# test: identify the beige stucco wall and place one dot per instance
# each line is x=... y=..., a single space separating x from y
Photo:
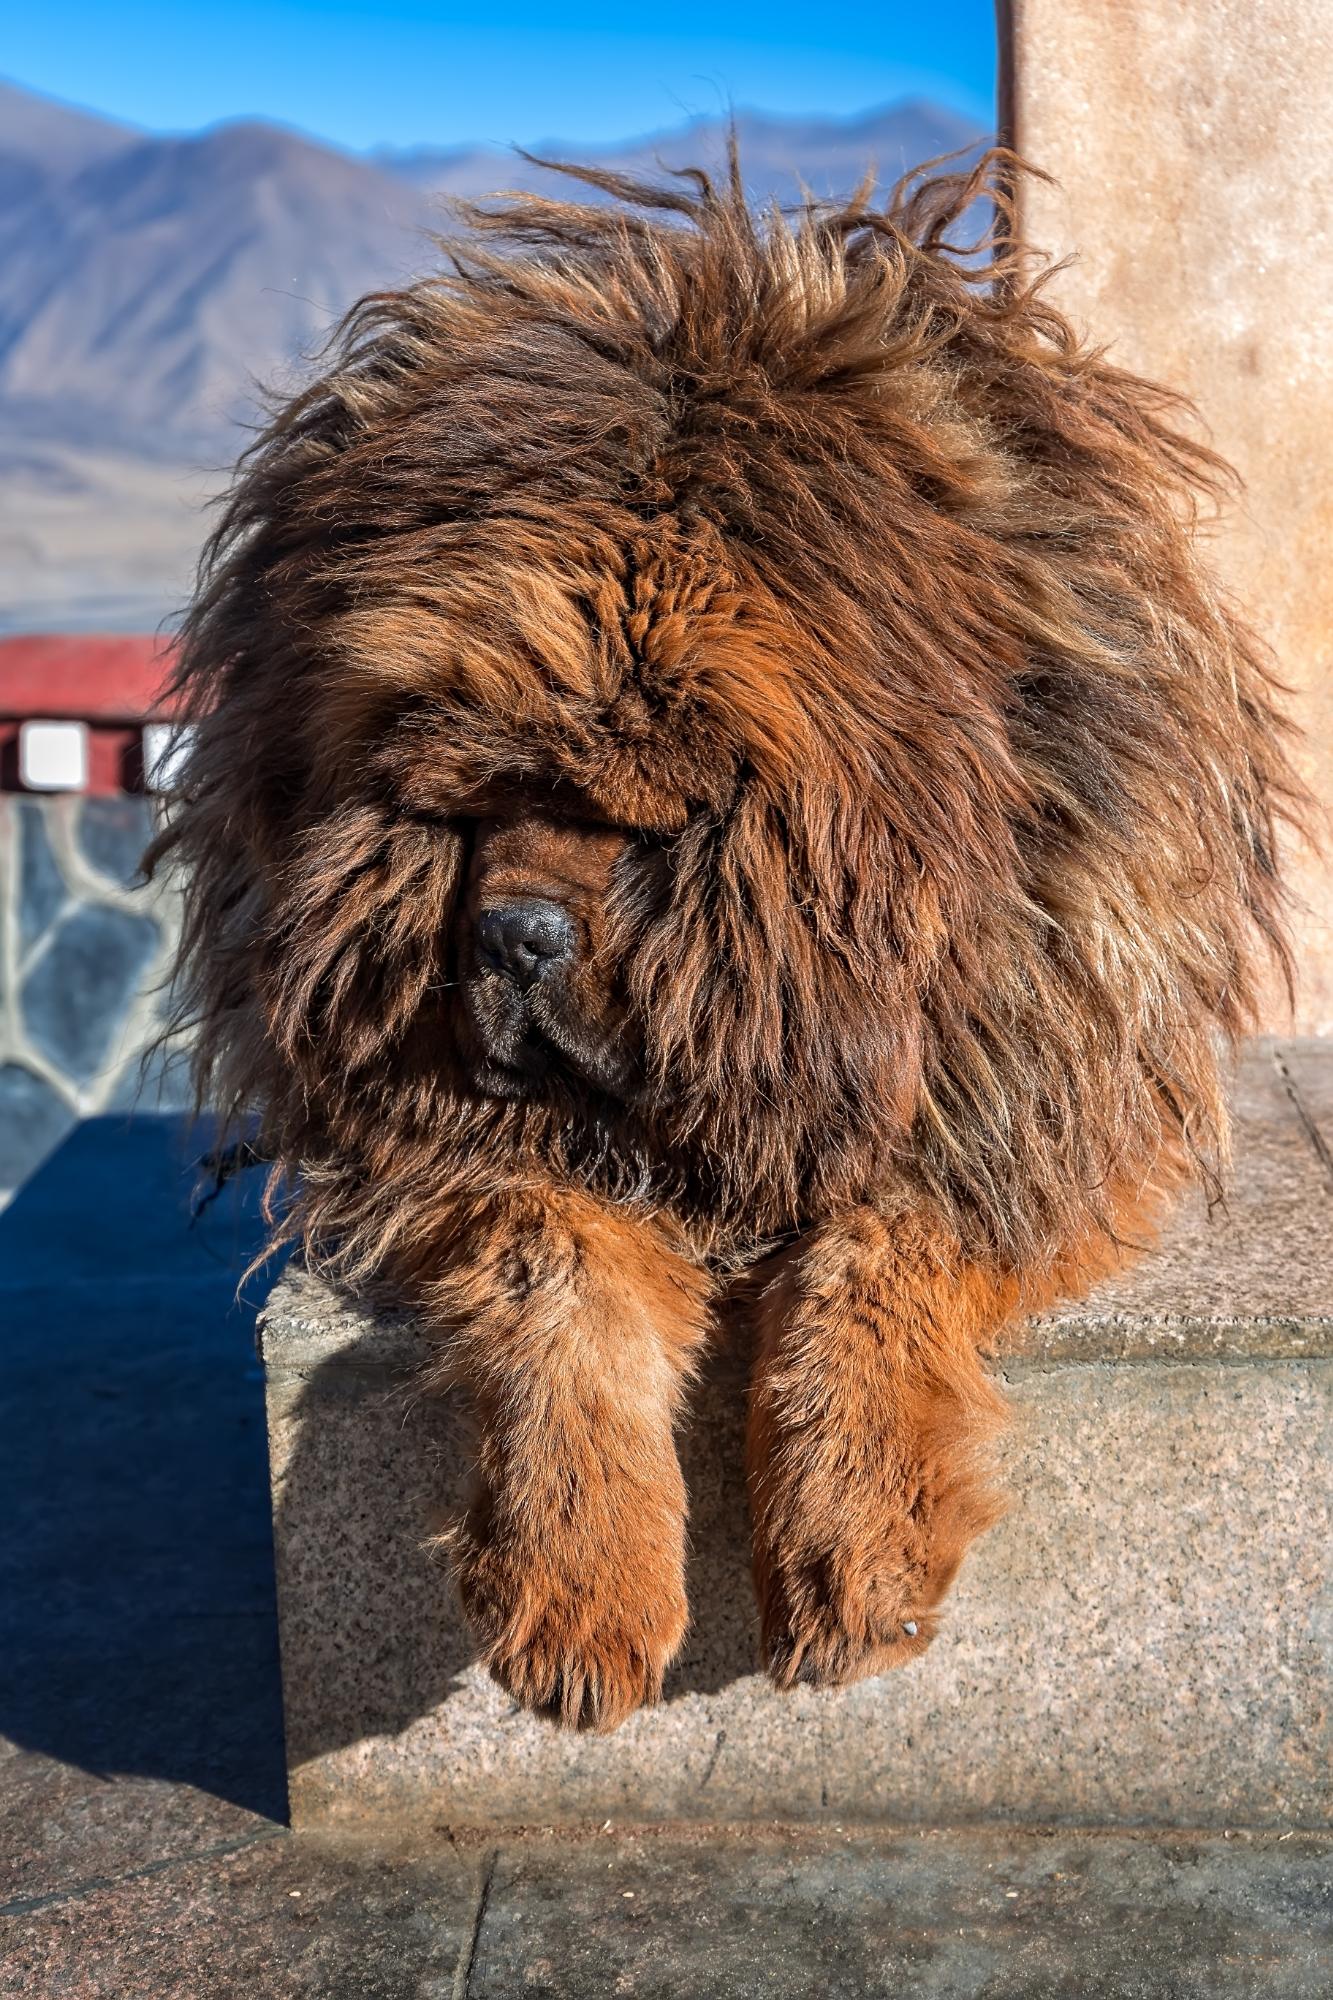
x=1191 y=141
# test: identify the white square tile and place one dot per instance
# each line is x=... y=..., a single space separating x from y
x=165 y=748
x=53 y=756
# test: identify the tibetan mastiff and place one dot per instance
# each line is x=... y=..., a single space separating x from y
x=718 y=775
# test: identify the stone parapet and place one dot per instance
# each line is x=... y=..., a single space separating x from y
x=1145 y=1638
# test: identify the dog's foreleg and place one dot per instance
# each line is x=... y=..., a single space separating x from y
x=575 y=1326
x=869 y=1420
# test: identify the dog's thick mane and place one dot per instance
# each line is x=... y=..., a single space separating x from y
x=834 y=563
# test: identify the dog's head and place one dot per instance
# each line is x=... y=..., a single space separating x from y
x=632 y=845
x=724 y=698
x=679 y=888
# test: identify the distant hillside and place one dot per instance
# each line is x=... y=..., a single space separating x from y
x=147 y=284
x=829 y=155
x=141 y=291
x=42 y=141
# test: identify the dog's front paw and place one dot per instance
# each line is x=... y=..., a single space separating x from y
x=582 y=1675
x=835 y=1618
x=584 y=1643
x=850 y=1573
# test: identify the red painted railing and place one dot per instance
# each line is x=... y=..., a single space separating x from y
x=108 y=685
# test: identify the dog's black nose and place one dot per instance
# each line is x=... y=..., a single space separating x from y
x=525 y=940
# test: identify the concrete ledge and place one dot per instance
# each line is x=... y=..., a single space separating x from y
x=1145 y=1639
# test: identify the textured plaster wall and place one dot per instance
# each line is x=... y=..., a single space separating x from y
x=1189 y=139
x=83 y=955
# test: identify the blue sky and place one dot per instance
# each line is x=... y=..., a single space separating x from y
x=412 y=71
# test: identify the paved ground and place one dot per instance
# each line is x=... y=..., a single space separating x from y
x=786 y=1915
x=142 y=1845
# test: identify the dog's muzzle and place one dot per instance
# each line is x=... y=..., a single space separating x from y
x=527 y=998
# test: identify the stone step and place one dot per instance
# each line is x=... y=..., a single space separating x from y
x=1145 y=1638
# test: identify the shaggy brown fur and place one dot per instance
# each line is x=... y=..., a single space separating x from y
x=808 y=627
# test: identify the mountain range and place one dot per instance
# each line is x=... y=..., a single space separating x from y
x=149 y=283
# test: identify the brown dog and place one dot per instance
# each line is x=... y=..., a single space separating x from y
x=716 y=760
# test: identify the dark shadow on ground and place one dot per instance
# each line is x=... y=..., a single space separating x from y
x=138 y=1630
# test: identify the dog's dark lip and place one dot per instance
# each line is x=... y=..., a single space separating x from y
x=521 y=1071
x=512 y=1078
x=534 y=1059
x=549 y=1070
